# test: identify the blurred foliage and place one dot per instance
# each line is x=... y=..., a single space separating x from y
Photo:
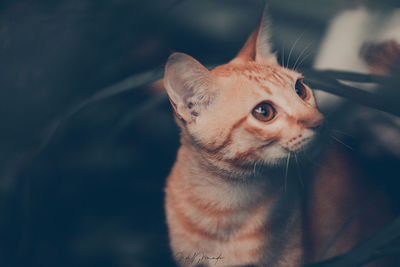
x=383 y=243
x=384 y=100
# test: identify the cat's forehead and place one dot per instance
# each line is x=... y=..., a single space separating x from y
x=260 y=73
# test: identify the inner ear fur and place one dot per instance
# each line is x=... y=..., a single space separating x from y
x=189 y=86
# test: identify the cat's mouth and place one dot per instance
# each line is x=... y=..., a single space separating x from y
x=297 y=144
x=305 y=141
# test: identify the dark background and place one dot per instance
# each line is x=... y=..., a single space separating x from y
x=92 y=194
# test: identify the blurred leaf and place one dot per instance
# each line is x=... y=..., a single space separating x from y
x=353 y=76
x=130 y=83
x=383 y=100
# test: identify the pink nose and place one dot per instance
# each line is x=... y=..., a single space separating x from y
x=313 y=121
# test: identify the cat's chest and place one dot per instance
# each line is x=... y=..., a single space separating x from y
x=236 y=235
x=211 y=216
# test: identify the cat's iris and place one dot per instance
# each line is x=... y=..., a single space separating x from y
x=263 y=112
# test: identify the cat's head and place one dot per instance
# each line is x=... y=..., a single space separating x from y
x=251 y=109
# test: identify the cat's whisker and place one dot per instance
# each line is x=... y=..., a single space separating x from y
x=302 y=52
x=291 y=49
x=302 y=60
x=341 y=142
x=283 y=56
x=254 y=169
x=287 y=169
x=341 y=132
x=298 y=170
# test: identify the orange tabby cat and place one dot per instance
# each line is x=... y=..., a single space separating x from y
x=228 y=200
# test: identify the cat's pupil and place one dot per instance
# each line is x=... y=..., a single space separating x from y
x=262 y=111
x=300 y=89
x=297 y=87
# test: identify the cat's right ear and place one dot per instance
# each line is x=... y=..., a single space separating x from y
x=189 y=86
x=258 y=46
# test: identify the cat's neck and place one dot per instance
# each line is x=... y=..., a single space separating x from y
x=223 y=186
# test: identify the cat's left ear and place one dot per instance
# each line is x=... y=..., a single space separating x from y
x=258 y=47
x=189 y=86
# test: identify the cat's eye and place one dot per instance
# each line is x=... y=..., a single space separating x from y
x=264 y=112
x=300 y=89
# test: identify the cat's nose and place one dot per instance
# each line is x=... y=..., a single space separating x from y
x=318 y=126
x=314 y=122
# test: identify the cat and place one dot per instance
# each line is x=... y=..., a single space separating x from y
x=228 y=199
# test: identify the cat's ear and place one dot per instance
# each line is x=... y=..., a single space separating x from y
x=189 y=86
x=258 y=47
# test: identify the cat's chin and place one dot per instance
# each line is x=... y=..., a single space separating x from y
x=275 y=156
x=276 y=162
x=279 y=155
